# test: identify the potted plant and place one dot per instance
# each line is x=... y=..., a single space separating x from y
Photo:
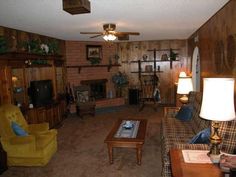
x=120 y=80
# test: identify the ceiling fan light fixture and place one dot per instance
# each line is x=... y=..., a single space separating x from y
x=109 y=37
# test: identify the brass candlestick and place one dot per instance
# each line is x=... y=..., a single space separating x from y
x=215 y=139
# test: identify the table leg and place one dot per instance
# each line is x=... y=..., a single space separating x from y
x=139 y=154
x=110 y=153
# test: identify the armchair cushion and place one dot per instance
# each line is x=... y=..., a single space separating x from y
x=18 y=130
x=202 y=137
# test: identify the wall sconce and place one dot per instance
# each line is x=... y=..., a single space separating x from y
x=14 y=80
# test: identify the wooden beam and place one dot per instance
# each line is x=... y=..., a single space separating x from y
x=76 y=6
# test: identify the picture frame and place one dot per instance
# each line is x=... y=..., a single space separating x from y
x=94 y=52
x=82 y=96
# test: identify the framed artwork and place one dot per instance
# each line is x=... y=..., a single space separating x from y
x=94 y=52
x=82 y=96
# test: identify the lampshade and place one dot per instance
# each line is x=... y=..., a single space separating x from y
x=184 y=85
x=109 y=37
x=218 y=99
x=14 y=79
x=182 y=74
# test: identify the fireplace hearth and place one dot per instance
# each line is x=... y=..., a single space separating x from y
x=97 y=87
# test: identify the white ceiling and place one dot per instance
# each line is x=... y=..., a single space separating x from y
x=154 y=19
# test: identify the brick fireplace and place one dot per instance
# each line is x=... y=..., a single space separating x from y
x=97 y=88
x=98 y=78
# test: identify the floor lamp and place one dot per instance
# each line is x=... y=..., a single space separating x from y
x=217 y=105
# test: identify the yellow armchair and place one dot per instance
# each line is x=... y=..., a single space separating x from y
x=35 y=149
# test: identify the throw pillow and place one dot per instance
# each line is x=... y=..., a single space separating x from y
x=202 y=137
x=18 y=130
x=185 y=113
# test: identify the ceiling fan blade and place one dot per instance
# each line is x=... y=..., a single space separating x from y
x=96 y=36
x=91 y=32
x=123 y=37
x=127 y=33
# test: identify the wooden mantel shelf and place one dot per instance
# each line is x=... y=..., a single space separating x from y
x=28 y=56
x=93 y=66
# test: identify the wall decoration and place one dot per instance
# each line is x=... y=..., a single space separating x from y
x=231 y=52
x=94 y=52
x=219 y=57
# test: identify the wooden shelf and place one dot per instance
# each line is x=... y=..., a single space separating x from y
x=27 y=56
x=146 y=72
x=151 y=61
x=38 y=65
x=163 y=49
x=94 y=66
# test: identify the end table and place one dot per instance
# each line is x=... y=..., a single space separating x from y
x=3 y=160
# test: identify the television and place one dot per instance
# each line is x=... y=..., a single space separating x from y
x=41 y=92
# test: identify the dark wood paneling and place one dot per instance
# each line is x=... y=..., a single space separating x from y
x=213 y=37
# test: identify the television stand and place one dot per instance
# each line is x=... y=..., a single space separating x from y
x=52 y=113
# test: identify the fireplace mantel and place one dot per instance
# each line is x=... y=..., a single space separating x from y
x=86 y=82
x=91 y=66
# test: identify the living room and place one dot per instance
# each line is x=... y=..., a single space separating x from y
x=43 y=45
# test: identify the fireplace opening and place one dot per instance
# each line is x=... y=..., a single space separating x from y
x=97 y=88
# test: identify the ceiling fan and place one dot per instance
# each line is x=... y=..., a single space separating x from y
x=109 y=33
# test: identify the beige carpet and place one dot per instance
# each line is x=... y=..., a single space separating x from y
x=82 y=152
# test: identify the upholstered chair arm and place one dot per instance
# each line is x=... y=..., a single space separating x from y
x=19 y=145
x=36 y=128
x=18 y=140
x=171 y=111
x=51 y=132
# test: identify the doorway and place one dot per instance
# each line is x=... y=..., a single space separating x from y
x=196 y=69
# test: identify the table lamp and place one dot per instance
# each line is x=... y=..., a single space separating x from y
x=217 y=105
x=184 y=87
x=182 y=74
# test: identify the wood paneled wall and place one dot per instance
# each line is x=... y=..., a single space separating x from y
x=16 y=37
x=14 y=44
x=213 y=39
x=133 y=51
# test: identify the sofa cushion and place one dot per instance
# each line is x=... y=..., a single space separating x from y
x=176 y=128
x=18 y=130
x=185 y=113
x=228 y=135
x=202 y=137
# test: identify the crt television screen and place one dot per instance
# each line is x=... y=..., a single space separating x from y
x=41 y=92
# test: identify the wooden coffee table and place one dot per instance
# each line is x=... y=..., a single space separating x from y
x=181 y=169
x=136 y=143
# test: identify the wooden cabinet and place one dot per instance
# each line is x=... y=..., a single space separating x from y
x=50 y=113
x=15 y=76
